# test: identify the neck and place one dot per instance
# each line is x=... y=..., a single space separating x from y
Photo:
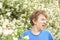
x=35 y=30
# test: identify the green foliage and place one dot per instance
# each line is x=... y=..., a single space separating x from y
x=17 y=12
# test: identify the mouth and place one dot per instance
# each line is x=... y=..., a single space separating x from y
x=43 y=25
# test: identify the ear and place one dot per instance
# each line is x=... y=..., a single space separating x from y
x=34 y=21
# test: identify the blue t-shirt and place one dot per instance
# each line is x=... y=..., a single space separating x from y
x=43 y=35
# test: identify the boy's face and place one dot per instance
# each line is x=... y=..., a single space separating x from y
x=40 y=22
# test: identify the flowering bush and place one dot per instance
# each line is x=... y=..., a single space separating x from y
x=26 y=38
x=14 y=17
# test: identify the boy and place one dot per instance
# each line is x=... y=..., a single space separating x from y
x=37 y=32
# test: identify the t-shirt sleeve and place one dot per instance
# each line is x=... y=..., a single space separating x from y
x=19 y=38
x=22 y=35
x=51 y=36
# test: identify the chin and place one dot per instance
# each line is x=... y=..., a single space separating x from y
x=42 y=28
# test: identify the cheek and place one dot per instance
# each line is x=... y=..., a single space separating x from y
x=40 y=22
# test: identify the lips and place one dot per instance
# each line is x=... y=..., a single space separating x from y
x=43 y=25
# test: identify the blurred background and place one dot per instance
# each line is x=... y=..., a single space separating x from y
x=14 y=17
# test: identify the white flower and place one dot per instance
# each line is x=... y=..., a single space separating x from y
x=7 y=32
x=26 y=37
x=2 y=19
x=8 y=13
x=25 y=6
x=14 y=21
x=14 y=38
x=1 y=4
x=5 y=23
x=0 y=30
x=26 y=2
x=22 y=25
x=17 y=6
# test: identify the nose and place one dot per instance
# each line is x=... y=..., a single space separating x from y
x=44 y=22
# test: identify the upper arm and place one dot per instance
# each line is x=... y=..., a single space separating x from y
x=51 y=36
x=20 y=38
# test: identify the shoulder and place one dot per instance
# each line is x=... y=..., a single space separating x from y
x=47 y=31
x=26 y=32
x=51 y=37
